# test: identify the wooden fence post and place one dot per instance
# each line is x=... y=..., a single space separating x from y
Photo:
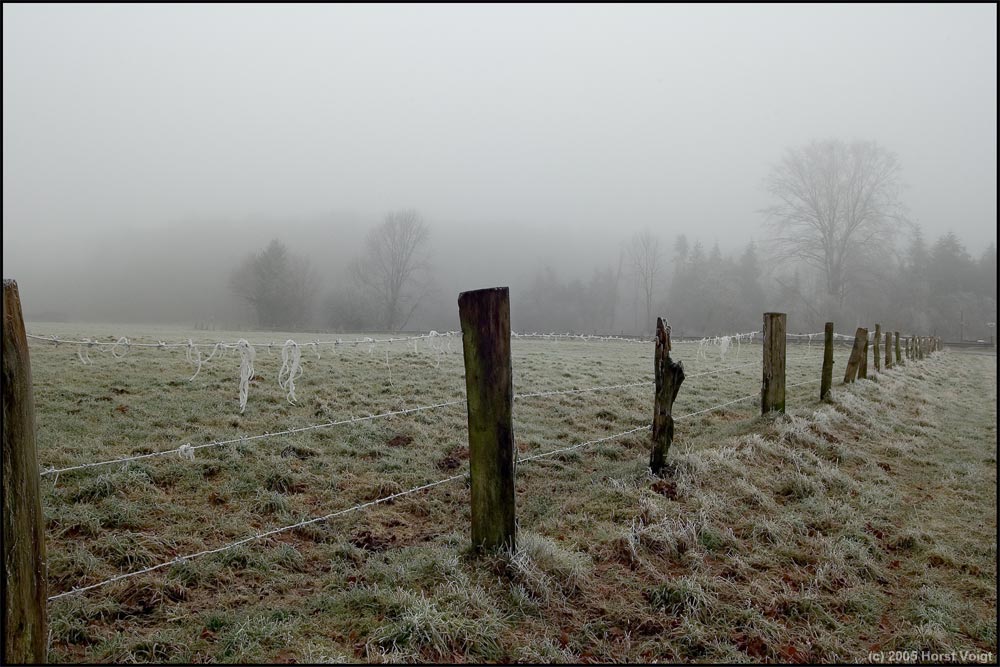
x=876 y=357
x=863 y=366
x=888 y=350
x=826 y=378
x=25 y=617
x=485 y=318
x=921 y=342
x=772 y=392
x=669 y=376
x=857 y=354
x=899 y=356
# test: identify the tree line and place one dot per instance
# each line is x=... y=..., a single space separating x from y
x=836 y=244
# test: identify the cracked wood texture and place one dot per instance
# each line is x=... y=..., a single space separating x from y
x=668 y=378
x=24 y=588
x=857 y=354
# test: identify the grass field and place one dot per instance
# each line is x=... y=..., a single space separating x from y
x=863 y=524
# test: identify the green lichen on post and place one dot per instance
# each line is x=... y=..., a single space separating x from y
x=485 y=318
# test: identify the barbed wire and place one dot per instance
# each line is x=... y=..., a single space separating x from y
x=360 y=506
x=245 y=439
x=258 y=536
x=124 y=341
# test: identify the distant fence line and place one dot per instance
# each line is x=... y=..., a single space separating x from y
x=489 y=398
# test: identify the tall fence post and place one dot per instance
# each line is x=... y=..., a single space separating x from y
x=863 y=366
x=669 y=376
x=888 y=350
x=24 y=589
x=489 y=389
x=876 y=357
x=772 y=392
x=826 y=378
x=899 y=356
x=857 y=354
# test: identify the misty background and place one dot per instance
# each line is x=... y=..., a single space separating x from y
x=151 y=153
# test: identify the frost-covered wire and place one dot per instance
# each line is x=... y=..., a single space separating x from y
x=194 y=358
x=291 y=368
x=247 y=439
x=124 y=341
x=83 y=351
x=247 y=355
x=572 y=336
x=258 y=536
x=582 y=391
x=534 y=457
x=646 y=383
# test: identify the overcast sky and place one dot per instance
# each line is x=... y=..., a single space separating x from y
x=593 y=121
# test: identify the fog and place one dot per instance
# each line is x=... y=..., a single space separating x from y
x=149 y=149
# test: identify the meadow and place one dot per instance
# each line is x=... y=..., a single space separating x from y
x=862 y=524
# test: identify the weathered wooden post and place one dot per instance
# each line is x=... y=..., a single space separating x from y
x=899 y=356
x=876 y=357
x=772 y=392
x=888 y=350
x=920 y=347
x=489 y=390
x=25 y=617
x=826 y=377
x=857 y=354
x=669 y=376
x=863 y=366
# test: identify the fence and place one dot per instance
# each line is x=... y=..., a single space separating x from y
x=489 y=399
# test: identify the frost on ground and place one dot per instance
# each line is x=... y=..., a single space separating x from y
x=867 y=523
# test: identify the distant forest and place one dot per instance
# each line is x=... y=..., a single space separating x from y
x=938 y=288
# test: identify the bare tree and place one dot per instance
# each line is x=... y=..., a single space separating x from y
x=838 y=204
x=393 y=271
x=647 y=265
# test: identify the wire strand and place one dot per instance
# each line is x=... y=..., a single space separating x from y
x=219 y=443
x=253 y=538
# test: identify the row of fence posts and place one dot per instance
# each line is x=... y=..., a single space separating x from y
x=857 y=364
x=485 y=320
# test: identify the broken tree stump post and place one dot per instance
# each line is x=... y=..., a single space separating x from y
x=826 y=377
x=888 y=350
x=863 y=366
x=772 y=391
x=876 y=357
x=669 y=376
x=857 y=351
x=899 y=356
x=485 y=318
x=25 y=617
